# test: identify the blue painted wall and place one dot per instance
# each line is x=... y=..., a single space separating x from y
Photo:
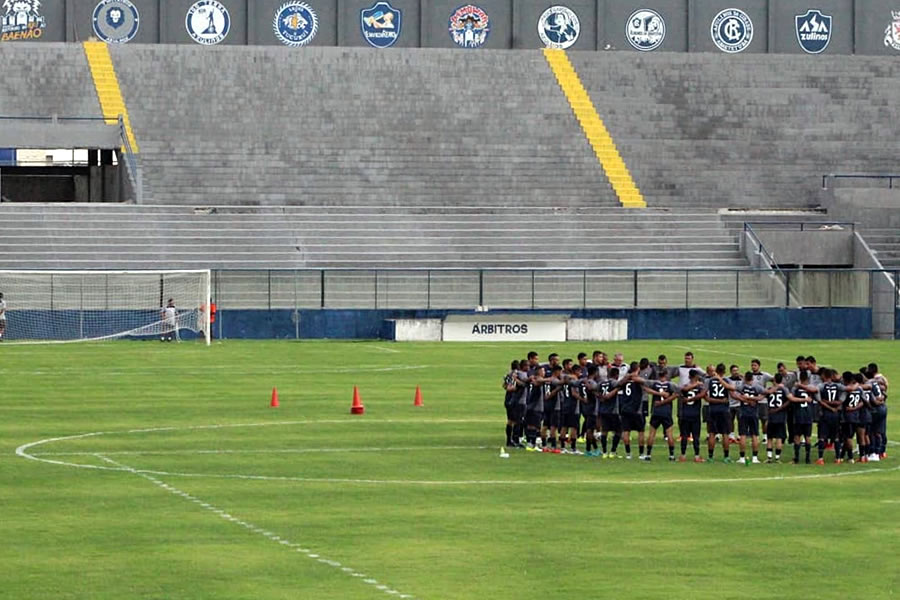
x=809 y=323
x=7 y=156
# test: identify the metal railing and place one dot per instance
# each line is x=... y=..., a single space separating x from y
x=132 y=165
x=803 y=225
x=768 y=260
x=832 y=176
x=539 y=289
x=52 y=118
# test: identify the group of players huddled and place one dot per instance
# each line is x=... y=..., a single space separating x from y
x=552 y=404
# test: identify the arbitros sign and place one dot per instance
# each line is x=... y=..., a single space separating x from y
x=505 y=328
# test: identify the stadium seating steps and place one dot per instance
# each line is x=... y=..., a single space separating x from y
x=441 y=158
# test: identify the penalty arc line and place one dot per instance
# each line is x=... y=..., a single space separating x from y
x=251 y=527
x=22 y=451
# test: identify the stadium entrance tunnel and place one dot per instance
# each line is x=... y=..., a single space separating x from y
x=60 y=160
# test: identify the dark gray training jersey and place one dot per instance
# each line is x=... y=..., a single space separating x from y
x=665 y=387
x=690 y=407
x=804 y=412
x=522 y=387
x=749 y=410
x=716 y=390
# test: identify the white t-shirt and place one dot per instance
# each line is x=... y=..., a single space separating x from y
x=170 y=314
x=2 y=310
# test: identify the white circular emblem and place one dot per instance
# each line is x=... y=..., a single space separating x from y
x=295 y=24
x=469 y=26
x=116 y=21
x=892 y=33
x=558 y=27
x=207 y=22
x=732 y=30
x=645 y=29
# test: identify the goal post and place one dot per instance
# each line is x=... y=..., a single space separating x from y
x=78 y=306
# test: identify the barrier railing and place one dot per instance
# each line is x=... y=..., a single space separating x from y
x=534 y=289
x=769 y=261
x=132 y=166
x=833 y=176
x=802 y=225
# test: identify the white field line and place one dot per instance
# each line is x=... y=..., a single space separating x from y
x=119 y=371
x=386 y=349
x=698 y=349
x=349 y=571
x=23 y=451
x=273 y=451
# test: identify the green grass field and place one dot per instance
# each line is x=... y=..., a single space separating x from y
x=193 y=487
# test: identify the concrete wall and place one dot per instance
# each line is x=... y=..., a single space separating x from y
x=857 y=25
x=883 y=292
x=62 y=134
x=809 y=248
x=872 y=207
x=811 y=323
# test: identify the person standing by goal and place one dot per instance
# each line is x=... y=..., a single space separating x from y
x=170 y=322
x=2 y=316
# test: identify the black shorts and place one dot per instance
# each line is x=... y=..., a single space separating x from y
x=776 y=431
x=849 y=430
x=590 y=422
x=514 y=413
x=689 y=427
x=610 y=422
x=879 y=423
x=662 y=421
x=633 y=422
x=704 y=413
x=532 y=419
x=719 y=423
x=748 y=426
x=803 y=430
x=829 y=428
x=551 y=418
x=570 y=420
x=762 y=410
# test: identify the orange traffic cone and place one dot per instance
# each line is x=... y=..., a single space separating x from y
x=418 y=400
x=357 y=408
x=274 y=397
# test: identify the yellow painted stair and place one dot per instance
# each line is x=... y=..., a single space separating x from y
x=107 y=85
x=598 y=136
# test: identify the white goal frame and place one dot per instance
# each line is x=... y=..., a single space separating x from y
x=195 y=318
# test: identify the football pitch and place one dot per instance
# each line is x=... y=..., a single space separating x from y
x=149 y=470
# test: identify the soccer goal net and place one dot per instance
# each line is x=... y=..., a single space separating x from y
x=74 y=306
